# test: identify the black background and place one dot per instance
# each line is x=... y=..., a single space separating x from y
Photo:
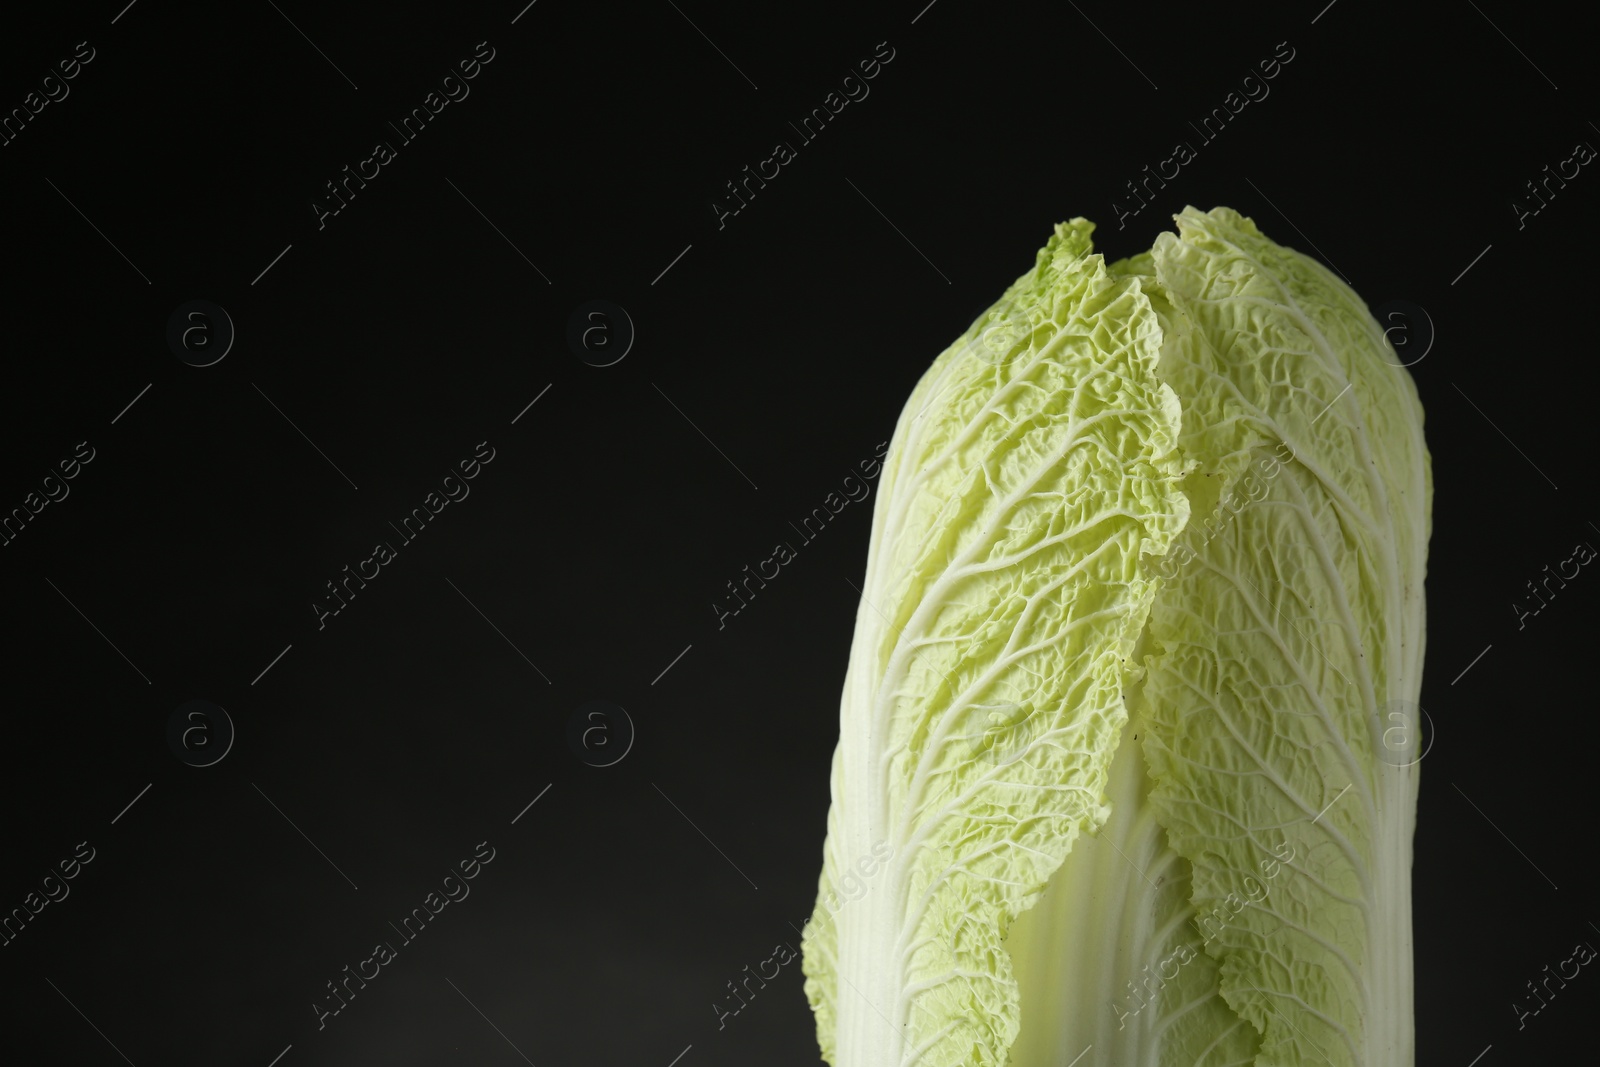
x=419 y=721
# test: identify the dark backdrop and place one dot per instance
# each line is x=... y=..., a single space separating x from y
x=377 y=348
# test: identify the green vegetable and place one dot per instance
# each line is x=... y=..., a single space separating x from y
x=1131 y=701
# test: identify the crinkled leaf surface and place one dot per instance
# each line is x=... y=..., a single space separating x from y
x=1235 y=886
x=1032 y=473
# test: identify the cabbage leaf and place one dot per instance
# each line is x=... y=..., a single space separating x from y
x=1131 y=700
